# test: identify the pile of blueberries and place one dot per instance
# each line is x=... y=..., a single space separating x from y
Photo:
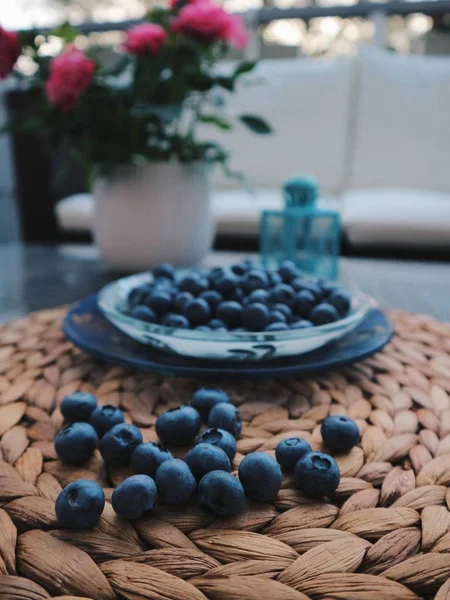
x=206 y=468
x=244 y=297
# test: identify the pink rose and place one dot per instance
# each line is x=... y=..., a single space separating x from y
x=146 y=38
x=211 y=23
x=70 y=75
x=9 y=51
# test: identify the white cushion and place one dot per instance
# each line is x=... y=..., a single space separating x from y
x=402 y=126
x=76 y=213
x=307 y=102
x=397 y=217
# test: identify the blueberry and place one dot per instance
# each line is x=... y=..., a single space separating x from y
x=274 y=278
x=117 y=445
x=78 y=406
x=288 y=271
x=297 y=284
x=203 y=328
x=226 y=284
x=239 y=269
x=277 y=326
x=230 y=313
x=261 y=476
x=105 y=417
x=301 y=324
x=323 y=313
x=276 y=316
x=221 y=493
x=193 y=283
x=259 y=296
x=213 y=298
x=217 y=324
x=254 y=280
x=180 y=300
x=305 y=301
x=175 y=320
x=225 y=416
x=197 y=311
x=313 y=288
x=290 y=450
x=160 y=301
x=76 y=443
x=134 y=496
x=178 y=426
x=138 y=295
x=144 y=313
x=317 y=474
x=203 y=458
x=175 y=482
x=329 y=287
x=164 y=270
x=340 y=433
x=80 y=504
x=256 y=316
x=283 y=308
x=216 y=273
x=147 y=457
x=238 y=296
x=341 y=302
x=205 y=398
x=220 y=438
x=283 y=294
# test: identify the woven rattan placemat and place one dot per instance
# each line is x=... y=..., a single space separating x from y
x=385 y=533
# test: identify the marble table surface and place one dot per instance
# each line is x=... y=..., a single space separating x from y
x=34 y=277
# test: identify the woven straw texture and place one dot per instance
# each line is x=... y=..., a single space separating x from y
x=385 y=533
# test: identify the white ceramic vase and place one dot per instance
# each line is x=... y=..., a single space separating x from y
x=154 y=213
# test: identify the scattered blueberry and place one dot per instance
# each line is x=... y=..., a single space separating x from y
x=305 y=301
x=238 y=296
x=80 y=504
x=144 y=313
x=254 y=280
x=340 y=433
x=239 y=269
x=283 y=308
x=76 y=443
x=197 y=311
x=289 y=451
x=103 y=418
x=341 y=302
x=225 y=416
x=203 y=458
x=215 y=273
x=259 y=296
x=274 y=278
x=160 y=302
x=117 y=445
x=283 y=294
x=78 y=406
x=180 y=300
x=329 y=287
x=175 y=482
x=138 y=295
x=220 y=438
x=226 y=284
x=175 y=320
x=313 y=288
x=276 y=316
x=178 y=426
x=193 y=283
x=213 y=298
x=164 y=270
x=317 y=474
x=230 y=313
x=323 y=313
x=255 y=317
x=221 y=493
x=288 y=271
x=146 y=458
x=297 y=284
x=134 y=496
x=277 y=326
x=205 y=398
x=261 y=476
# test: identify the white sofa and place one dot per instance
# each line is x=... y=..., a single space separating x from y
x=374 y=129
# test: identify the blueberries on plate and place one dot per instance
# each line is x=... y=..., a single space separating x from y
x=117 y=445
x=340 y=433
x=103 y=418
x=193 y=283
x=230 y=312
x=277 y=326
x=276 y=316
x=323 y=313
x=261 y=476
x=255 y=316
x=197 y=311
x=289 y=451
x=259 y=296
x=147 y=457
x=283 y=294
x=160 y=302
x=341 y=302
x=225 y=416
x=317 y=474
x=221 y=493
x=288 y=271
x=284 y=309
x=220 y=438
x=301 y=324
x=178 y=426
x=213 y=298
x=175 y=320
x=144 y=313
x=305 y=301
x=134 y=496
x=203 y=458
x=165 y=270
x=78 y=406
x=217 y=325
x=255 y=279
x=80 y=504
x=226 y=284
x=175 y=482
x=205 y=398
x=180 y=300
x=76 y=443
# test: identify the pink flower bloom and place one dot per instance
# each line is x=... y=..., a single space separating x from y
x=9 y=51
x=70 y=75
x=145 y=38
x=211 y=23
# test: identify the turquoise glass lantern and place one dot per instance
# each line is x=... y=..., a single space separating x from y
x=301 y=192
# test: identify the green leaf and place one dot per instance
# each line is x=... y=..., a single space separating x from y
x=225 y=82
x=215 y=120
x=256 y=124
x=66 y=31
x=244 y=67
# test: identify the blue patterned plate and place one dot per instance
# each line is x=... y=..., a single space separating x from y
x=90 y=331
